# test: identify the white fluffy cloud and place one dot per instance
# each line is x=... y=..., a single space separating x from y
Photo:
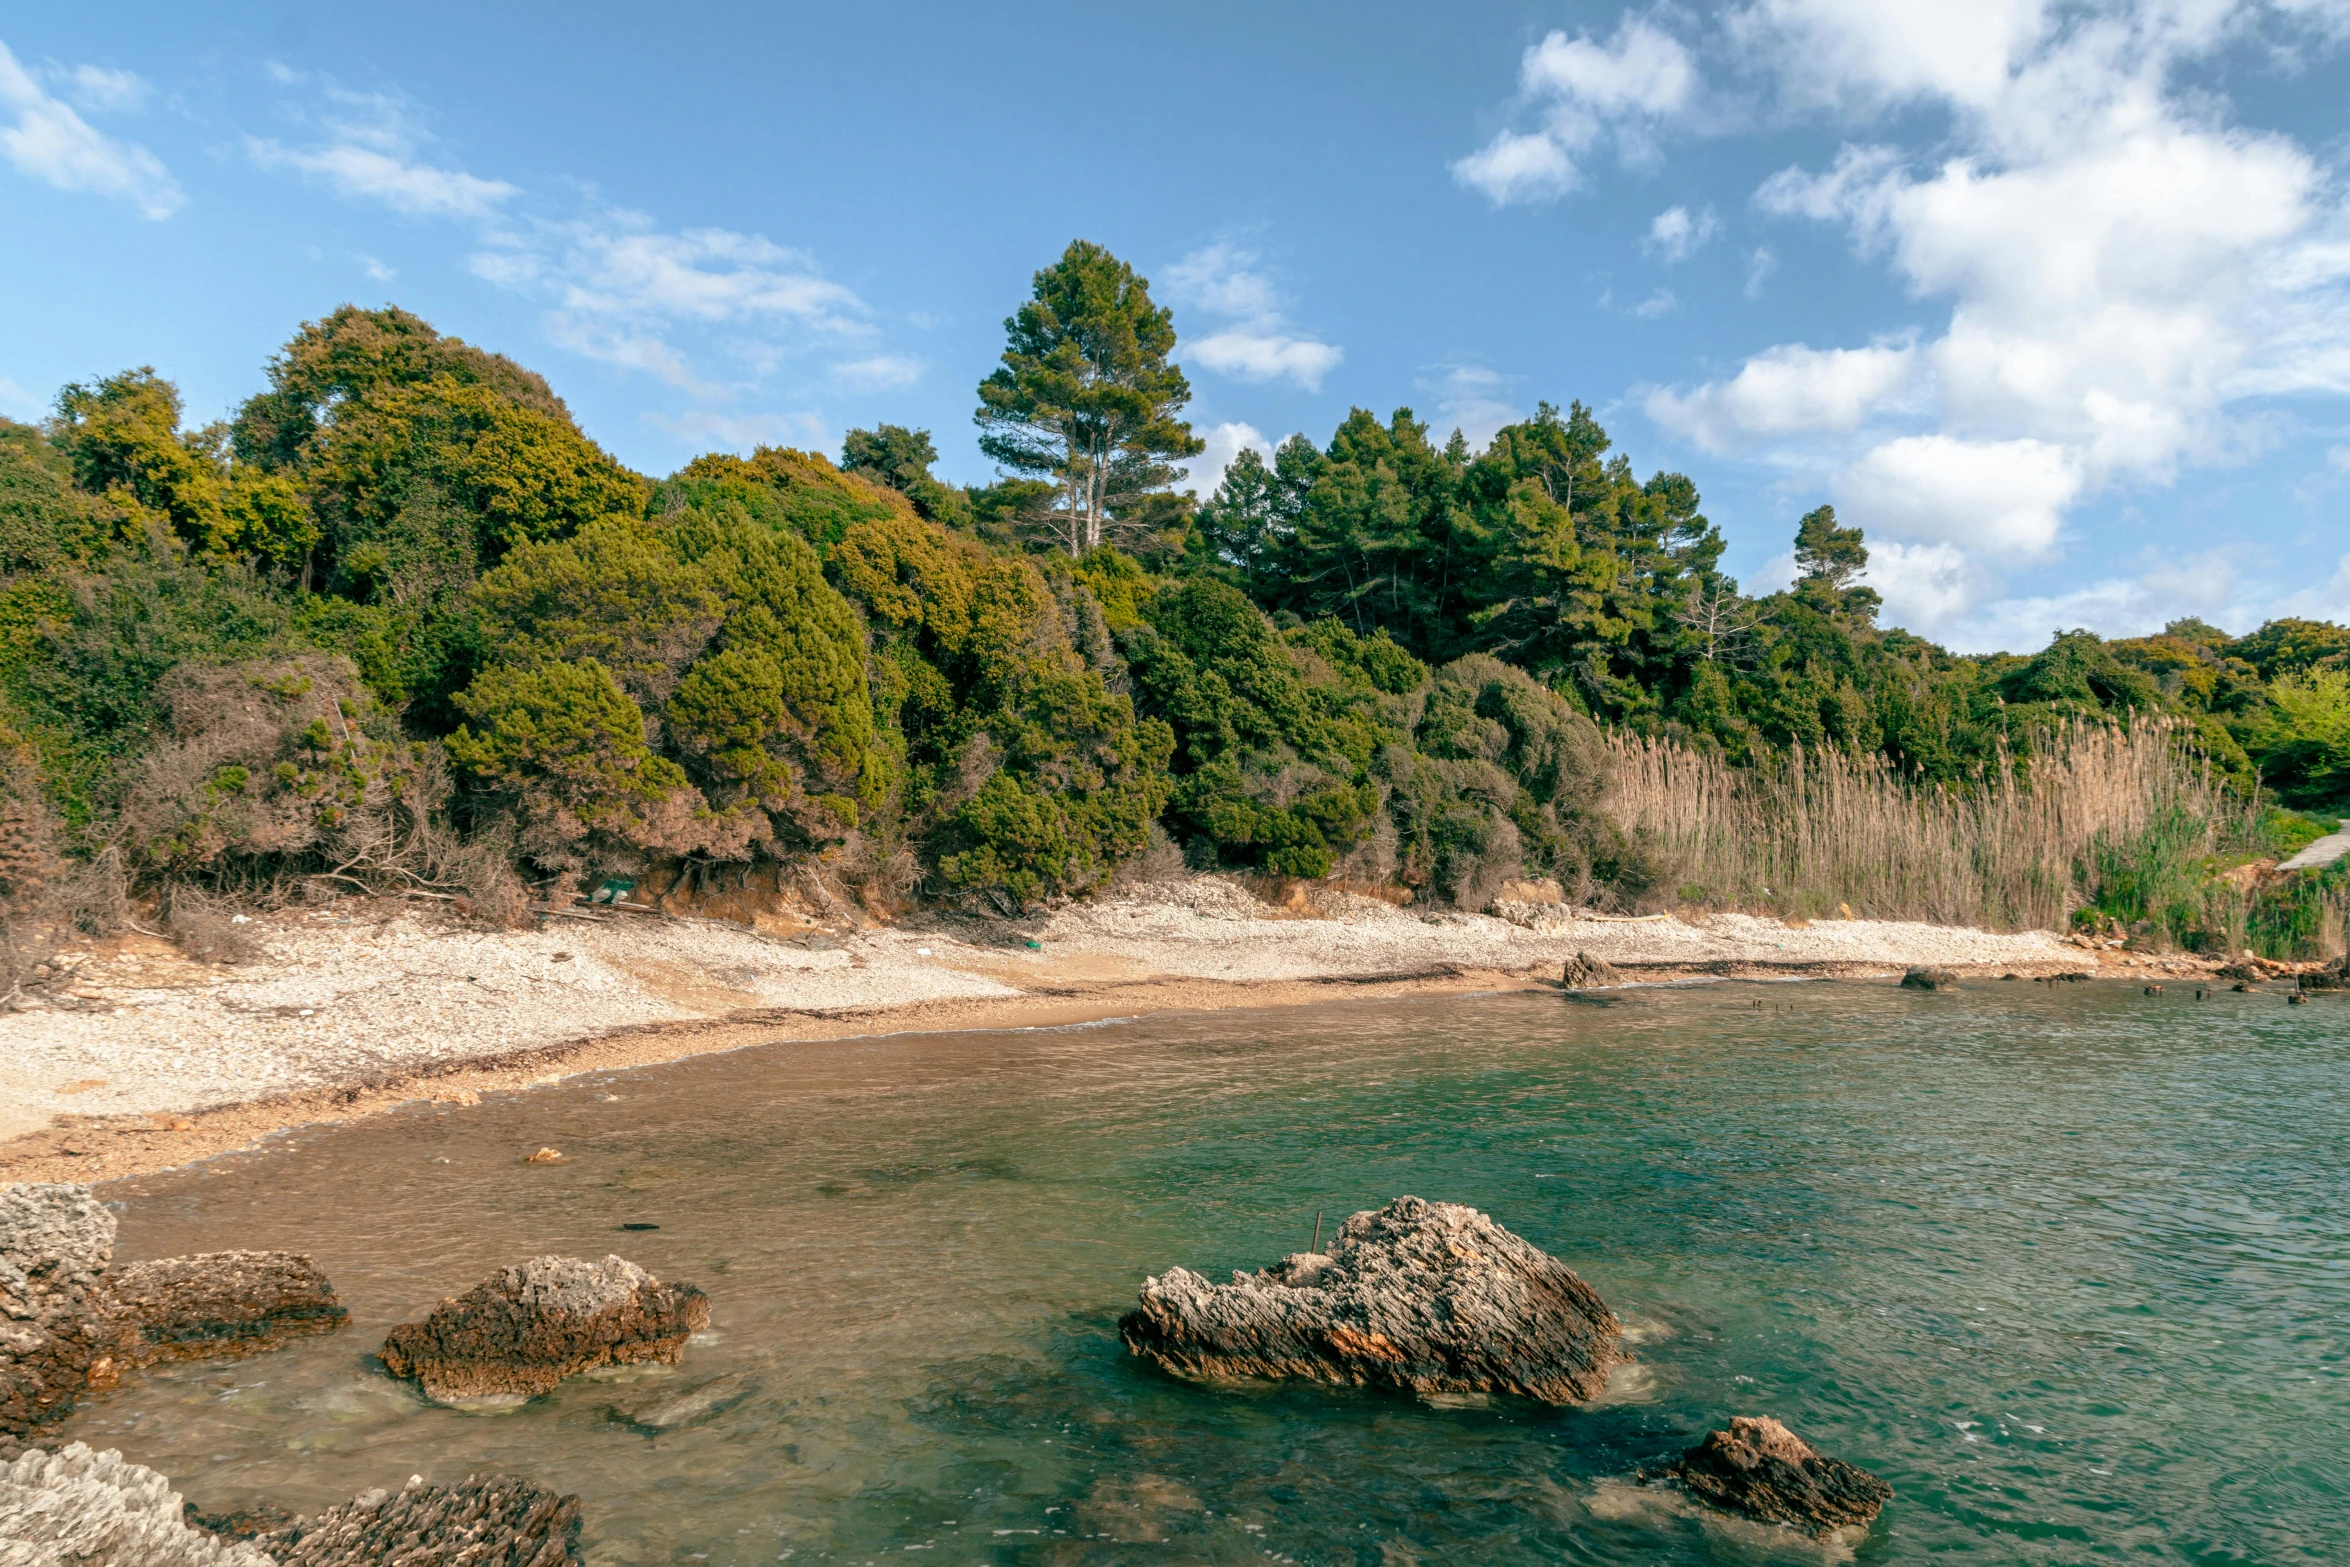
x=1224 y=442
x=2113 y=269
x=1676 y=236
x=371 y=174
x=878 y=372
x=1583 y=94
x=102 y=91
x=46 y=140
x=1255 y=341
x=1475 y=401
x=2004 y=499
x=1789 y=390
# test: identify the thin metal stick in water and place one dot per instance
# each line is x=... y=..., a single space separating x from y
x=1317 y=1232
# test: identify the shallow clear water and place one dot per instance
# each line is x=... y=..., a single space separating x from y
x=2070 y=1266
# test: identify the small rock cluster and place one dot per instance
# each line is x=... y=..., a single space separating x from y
x=1436 y=1298
x=70 y=1325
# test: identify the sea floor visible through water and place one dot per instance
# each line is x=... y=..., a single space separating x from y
x=2069 y=1265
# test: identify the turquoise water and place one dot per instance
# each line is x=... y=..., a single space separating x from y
x=2069 y=1266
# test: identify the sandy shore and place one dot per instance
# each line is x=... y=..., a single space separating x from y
x=139 y=1059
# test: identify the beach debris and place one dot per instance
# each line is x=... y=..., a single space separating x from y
x=1429 y=1297
x=544 y=1156
x=59 y=1337
x=1760 y=1469
x=673 y=1409
x=524 y=1329
x=494 y=1520
x=1583 y=969
x=1929 y=979
x=77 y=1505
x=222 y=1303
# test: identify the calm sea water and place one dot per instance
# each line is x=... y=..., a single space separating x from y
x=2070 y=1267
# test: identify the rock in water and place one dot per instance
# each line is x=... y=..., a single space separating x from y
x=223 y=1303
x=524 y=1329
x=1583 y=969
x=80 y=1507
x=673 y=1409
x=1929 y=979
x=1433 y=1297
x=58 y=1334
x=1763 y=1470
x=497 y=1522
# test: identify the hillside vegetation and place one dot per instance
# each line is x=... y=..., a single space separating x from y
x=399 y=623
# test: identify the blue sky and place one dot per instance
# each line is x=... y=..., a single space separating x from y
x=2053 y=300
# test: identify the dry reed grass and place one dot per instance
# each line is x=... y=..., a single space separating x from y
x=2019 y=847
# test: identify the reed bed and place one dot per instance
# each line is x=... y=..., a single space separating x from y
x=2124 y=819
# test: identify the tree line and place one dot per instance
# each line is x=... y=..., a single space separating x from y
x=399 y=621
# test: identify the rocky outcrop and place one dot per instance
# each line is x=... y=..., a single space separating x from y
x=1929 y=979
x=91 y=1509
x=69 y=1326
x=497 y=1522
x=222 y=1303
x=1584 y=970
x=524 y=1329
x=58 y=1334
x=1760 y=1469
x=1430 y=1297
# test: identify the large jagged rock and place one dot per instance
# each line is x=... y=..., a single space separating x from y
x=493 y=1522
x=59 y=1337
x=1760 y=1469
x=222 y=1303
x=90 y=1509
x=524 y=1329
x=1432 y=1297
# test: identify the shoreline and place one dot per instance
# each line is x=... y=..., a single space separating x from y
x=381 y=1010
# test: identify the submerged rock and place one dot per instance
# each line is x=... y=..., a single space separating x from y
x=497 y=1522
x=1429 y=1297
x=1929 y=979
x=1760 y=1469
x=222 y=1303
x=673 y=1409
x=1583 y=969
x=59 y=1337
x=83 y=1507
x=524 y=1329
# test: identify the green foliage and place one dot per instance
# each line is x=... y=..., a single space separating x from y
x=122 y=436
x=565 y=746
x=422 y=486
x=1086 y=397
x=44 y=518
x=1274 y=745
x=270 y=765
x=1386 y=656
x=341 y=359
x=2304 y=736
x=893 y=455
x=1025 y=776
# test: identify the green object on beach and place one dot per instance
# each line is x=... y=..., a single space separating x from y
x=614 y=889
x=1036 y=946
